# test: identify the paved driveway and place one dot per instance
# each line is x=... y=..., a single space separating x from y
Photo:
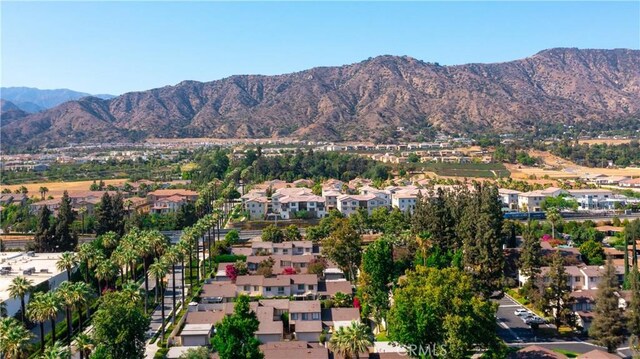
x=511 y=328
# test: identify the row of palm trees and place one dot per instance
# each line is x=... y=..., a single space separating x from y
x=103 y=261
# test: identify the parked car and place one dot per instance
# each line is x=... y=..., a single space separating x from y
x=521 y=312
x=535 y=320
x=527 y=316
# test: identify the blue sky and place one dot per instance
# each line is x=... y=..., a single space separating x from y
x=116 y=47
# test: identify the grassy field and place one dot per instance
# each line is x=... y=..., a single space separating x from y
x=482 y=170
x=57 y=188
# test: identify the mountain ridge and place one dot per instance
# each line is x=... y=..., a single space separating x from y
x=32 y=99
x=369 y=100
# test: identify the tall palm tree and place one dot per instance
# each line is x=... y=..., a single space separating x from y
x=19 y=288
x=172 y=256
x=183 y=250
x=43 y=192
x=159 y=270
x=105 y=271
x=84 y=345
x=144 y=248
x=86 y=295
x=51 y=306
x=109 y=240
x=69 y=297
x=66 y=262
x=15 y=339
x=56 y=351
x=350 y=341
x=36 y=312
x=90 y=255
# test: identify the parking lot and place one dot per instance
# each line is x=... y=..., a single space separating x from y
x=512 y=328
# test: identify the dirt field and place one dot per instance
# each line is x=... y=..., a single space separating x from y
x=608 y=141
x=57 y=188
x=558 y=168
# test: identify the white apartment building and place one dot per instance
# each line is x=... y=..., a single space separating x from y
x=531 y=201
x=509 y=198
x=593 y=198
x=349 y=204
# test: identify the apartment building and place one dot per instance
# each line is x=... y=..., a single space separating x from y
x=509 y=198
x=593 y=198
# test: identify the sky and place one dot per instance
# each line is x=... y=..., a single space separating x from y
x=117 y=47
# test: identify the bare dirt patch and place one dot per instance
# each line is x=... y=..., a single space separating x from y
x=57 y=188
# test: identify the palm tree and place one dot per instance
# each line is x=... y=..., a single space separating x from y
x=36 y=312
x=159 y=270
x=15 y=339
x=85 y=295
x=67 y=261
x=144 y=248
x=19 y=288
x=554 y=218
x=109 y=240
x=183 y=250
x=105 y=271
x=84 y=345
x=131 y=291
x=88 y=254
x=172 y=256
x=56 y=351
x=69 y=296
x=43 y=192
x=51 y=305
x=350 y=341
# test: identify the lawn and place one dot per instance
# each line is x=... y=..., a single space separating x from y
x=568 y=353
x=483 y=170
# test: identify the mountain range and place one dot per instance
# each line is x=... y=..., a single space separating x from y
x=369 y=100
x=32 y=100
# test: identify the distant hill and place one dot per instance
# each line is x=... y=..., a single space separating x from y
x=9 y=112
x=368 y=100
x=34 y=100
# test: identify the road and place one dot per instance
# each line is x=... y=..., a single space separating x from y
x=518 y=334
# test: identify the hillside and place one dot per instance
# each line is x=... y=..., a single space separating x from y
x=366 y=100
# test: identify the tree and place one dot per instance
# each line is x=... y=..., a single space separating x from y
x=557 y=296
x=69 y=298
x=56 y=351
x=66 y=238
x=608 y=323
x=592 y=252
x=317 y=266
x=481 y=230
x=159 y=270
x=19 y=288
x=15 y=339
x=196 y=353
x=349 y=341
x=66 y=262
x=265 y=267
x=232 y=237
x=110 y=214
x=559 y=202
x=43 y=237
x=37 y=312
x=554 y=218
x=374 y=280
x=271 y=233
x=130 y=324
x=292 y=233
x=84 y=344
x=235 y=334
x=50 y=306
x=343 y=246
x=445 y=308
x=43 y=192
x=530 y=262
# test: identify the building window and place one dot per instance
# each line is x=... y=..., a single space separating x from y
x=255 y=288
x=294 y=316
x=300 y=286
x=280 y=290
x=576 y=279
x=268 y=289
x=305 y=316
x=311 y=286
x=316 y=316
x=247 y=288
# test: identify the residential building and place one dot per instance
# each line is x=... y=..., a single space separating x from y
x=349 y=204
x=196 y=334
x=293 y=349
x=509 y=198
x=592 y=198
x=170 y=200
x=531 y=201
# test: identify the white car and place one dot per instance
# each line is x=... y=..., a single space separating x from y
x=521 y=311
